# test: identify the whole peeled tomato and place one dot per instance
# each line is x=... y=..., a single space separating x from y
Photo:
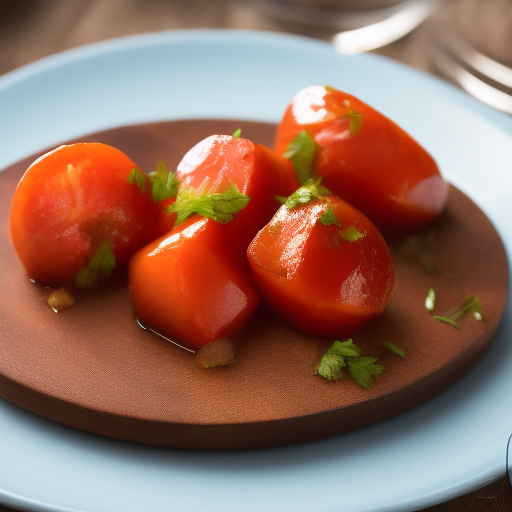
x=323 y=267
x=75 y=217
x=193 y=285
x=219 y=162
x=186 y=288
x=363 y=157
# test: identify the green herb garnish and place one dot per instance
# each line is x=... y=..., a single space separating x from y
x=418 y=247
x=330 y=366
x=395 y=349
x=364 y=370
x=343 y=354
x=308 y=192
x=355 y=120
x=430 y=300
x=334 y=359
x=312 y=190
x=164 y=183
x=344 y=348
x=447 y=320
x=100 y=266
x=139 y=178
x=329 y=217
x=237 y=133
x=470 y=305
x=351 y=234
x=217 y=206
x=301 y=152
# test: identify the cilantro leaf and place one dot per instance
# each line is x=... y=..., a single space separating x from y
x=217 y=206
x=100 y=266
x=139 y=178
x=165 y=184
x=301 y=152
x=364 y=370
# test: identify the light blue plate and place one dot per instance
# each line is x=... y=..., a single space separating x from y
x=448 y=446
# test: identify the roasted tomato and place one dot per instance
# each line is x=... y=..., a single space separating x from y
x=184 y=288
x=362 y=157
x=323 y=267
x=75 y=217
x=193 y=285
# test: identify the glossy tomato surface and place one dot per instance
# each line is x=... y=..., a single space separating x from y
x=192 y=285
x=365 y=158
x=184 y=287
x=70 y=203
x=258 y=172
x=325 y=279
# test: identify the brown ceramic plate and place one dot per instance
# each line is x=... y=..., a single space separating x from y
x=93 y=368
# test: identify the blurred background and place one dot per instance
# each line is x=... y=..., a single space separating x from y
x=467 y=42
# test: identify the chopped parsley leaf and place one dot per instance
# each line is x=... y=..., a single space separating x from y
x=301 y=152
x=139 y=178
x=100 y=266
x=165 y=184
x=346 y=354
x=220 y=207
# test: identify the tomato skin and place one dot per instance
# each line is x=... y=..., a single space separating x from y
x=69 y=202
x=185 y=288
x=192 y=285
x=316 y=280
x=165 y=219
x=256 y=170
x=381 y=170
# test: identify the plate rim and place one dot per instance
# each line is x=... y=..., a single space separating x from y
x=166 y=37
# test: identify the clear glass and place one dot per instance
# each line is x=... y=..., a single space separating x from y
x=353 y=25
x=470 y=42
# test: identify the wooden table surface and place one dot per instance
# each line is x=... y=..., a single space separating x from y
x=32 y=29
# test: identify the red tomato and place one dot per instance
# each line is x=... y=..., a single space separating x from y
x=74 y=212
x=184 y=287
x=327 y=280
x=193 y=285
x=165 y=220
x=257 y=171
x=365 y=158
